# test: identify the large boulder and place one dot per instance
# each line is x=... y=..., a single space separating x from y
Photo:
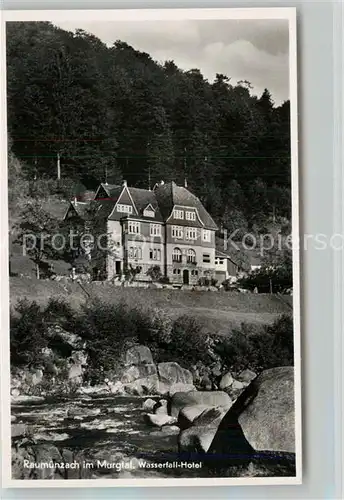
x=138 y=355
x=172 y=373
x=141 y=386
x=188 y=415
x=179 y=387
x=261 y=420
x=136 y=372
x=206 y=398
x=140 y=375
x=196 y=440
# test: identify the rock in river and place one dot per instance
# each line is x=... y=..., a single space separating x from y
x=207 y=398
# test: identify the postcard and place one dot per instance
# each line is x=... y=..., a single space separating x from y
x=151 y=319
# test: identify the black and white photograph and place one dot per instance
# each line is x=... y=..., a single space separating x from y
x=153 y=309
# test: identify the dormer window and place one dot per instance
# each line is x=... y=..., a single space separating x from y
x=126 y=209
x=178 y=214
x=149 y=211
x=190 y=215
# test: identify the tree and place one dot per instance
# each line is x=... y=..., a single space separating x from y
x=38 y=234
x=18 y=186
x=160 y=152
x=234 y=221
x=114 y=112
x=154 y=272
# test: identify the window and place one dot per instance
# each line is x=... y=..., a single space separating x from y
x=149 y=212
x=155 y=254
x=194 y=272
x=191 y=233
x=191 y=256
x=206 y=235
x=178 y=214
x=177 y=255
x=206 y=258
x=177 y=232
x=127 y=209
x=133 y=227
x=155 y=230
x=135 y=253
x=190 y=215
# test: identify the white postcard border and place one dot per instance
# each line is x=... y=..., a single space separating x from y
x=144 y=15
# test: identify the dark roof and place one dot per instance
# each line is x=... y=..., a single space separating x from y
x=79 y=208
x=103 y=207
x=142 y=198
x=112 y=191
x=168 y=195
x=163 y=198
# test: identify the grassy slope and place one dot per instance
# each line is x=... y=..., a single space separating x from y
x=218 y=311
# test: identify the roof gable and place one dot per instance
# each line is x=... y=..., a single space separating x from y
x=108 y=191
x=169 y=195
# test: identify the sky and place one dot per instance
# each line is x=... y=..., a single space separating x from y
x=253 y=50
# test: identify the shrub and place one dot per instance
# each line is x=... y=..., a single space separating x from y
x=154 y=272
x=204 y=281
x=188 y=343
x=109 y=330
x=265 y=347
x=27 y=335
x=58 y=311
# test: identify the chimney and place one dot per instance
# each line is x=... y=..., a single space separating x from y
x=162 y=183
x=124 y=184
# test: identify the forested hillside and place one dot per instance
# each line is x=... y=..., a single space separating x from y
x=114 y=113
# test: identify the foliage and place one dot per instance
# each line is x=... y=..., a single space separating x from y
x=154 y=272
x=130 y=272
x=204 y=281
x=27 y=333
x=275 y=276
x=259 y=348
x=109 y=330
x=36 y=233
x=188 y=342
x=116 y=111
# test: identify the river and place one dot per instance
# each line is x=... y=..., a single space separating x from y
x=110 y=429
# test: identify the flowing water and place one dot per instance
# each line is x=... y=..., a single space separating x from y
x=111 y=429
